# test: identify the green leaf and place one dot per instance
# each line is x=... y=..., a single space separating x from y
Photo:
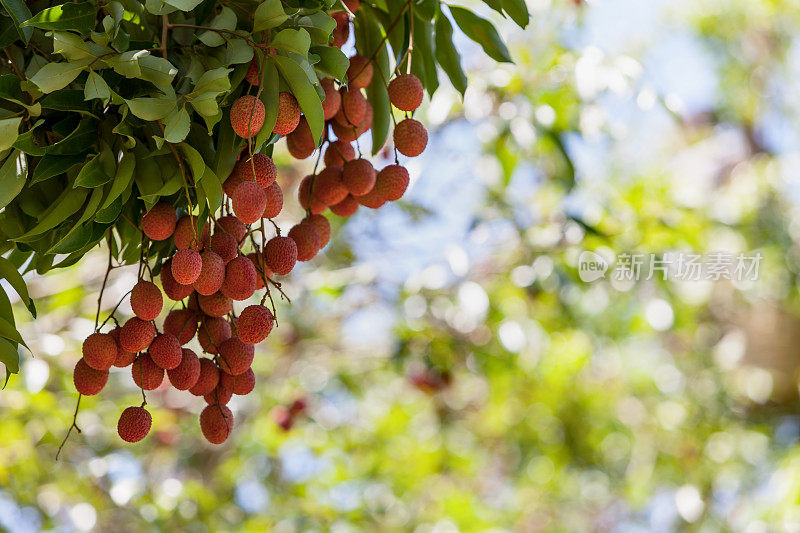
x=55 y=76
x=67 y=204
x=183 y=5
x=8 y=331
x=304 y=91
x=424 y=63
x=151 y=108
x=212 y=189
x=447 y=55
x=332 y=64
x=518 y=11
x=76 y=16
x=54 y=165
x=8 y=32
x=157 y=70
x=319 y=26
x=238 y=51
x=96 y=87
x=75 y=48
x=226 y=20
x=296 y=41
x=121 y=179
x=67 y=100
x=9 y=356
x=92 y=174
x=369 y=33
x=6 y=310
x=13 y=175
x=19 y=13
x=215 y=80
x=126 y=63
x=9 y=131
x=176 y=125
x=482 y=32
x=269 y=14
x=9 y=273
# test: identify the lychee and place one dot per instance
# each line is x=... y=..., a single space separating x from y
x=274 y=201
x=165 y=350
x=280 y=255
x=185 y=375
x=146 y=373
x=213 y=331
x=221 y=394
x=359 y=73
x=186 y=266
x=216 y=304
x=216 y=422
x=146 y=300
x=224 y=245
x=244 y=383
x=136 y=334
x=255 y=323
x=300 y=142
x=182 y=323
x=392 y=182
x=346 y=207
x=234 y=226
x=88 y=381
x=373 y=199
x=352 y=5
x=211 y=275
x=260 y=169
x=338 y=153
x=323 y=226
x=328 y=186
x=159 y=223
x=232 y=182
x=100 y=351
x=410 y=137
x=288 y=114
x=208 y=379
x=247 y=116
x=342 y=30
x=235 y=356
x=332 y=101
x=353 y=108
x=406 y=92
x=261 y=269
x=349 y=133
x=306 y=200
x=186 y=235
x=124 y=357
x=134 y=424
x=358 y=176
x=306 y=237
x=253 y=75
x=249 y=202
x=173 y=289
x=240 y=279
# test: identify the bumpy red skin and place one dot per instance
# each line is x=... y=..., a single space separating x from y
x=346 y=207
x=358 y=176
x=244 y=383
x=174 y=290
x=306 y=236
x=373 y=199
x=186 y=266
x=406 y=92
x=232 y=182
x=328 y=186
x=184 y=236
x=288 y=114
x=216 y=304
x=146 y=373
x=87 y=380
x=134 y=424
x=249 y=202
x=353 y=108
x=240 y=279
x=274 y=201
x=136 y=334
x=300 y=141
x=100 y=351
x=222 y=393
x=209 y=377
x=352 y=5
x=185 y=375
x=241 y=111
x=410 y=137
x=253 y=76
x=280 y=255
x=392 y=182
x=332 y=101
x=216 y=423
x=234 y=226
x=261 y=170
x=323 y=226
x=255 y=323
x=212 y=274
x=350 y=133
x=124 y=357
x=342 y=30
x=213 y=331
x=359 y=73
x=338 y=153
x=306 y=200
x=235 y=356
x=182 y=323
x=261 y=269
x=165 y=350
x=146 y=300
x=224 y=245
x=159 y=223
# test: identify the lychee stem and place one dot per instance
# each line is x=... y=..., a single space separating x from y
x=73 y=425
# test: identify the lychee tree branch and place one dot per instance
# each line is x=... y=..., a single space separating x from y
x=71 y=427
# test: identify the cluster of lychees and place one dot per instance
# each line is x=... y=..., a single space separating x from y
x=209 y=270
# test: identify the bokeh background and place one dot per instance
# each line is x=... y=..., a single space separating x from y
x=457 y=374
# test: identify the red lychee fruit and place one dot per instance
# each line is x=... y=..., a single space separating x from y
x=253 y=75
x=185 y=235
x=134 y=424
x=159 y=223
x=216 y=304
x=136 y=334
x=280 y=255
x=185 y=375
x=392 y=182
x=240 y=279
x=244 y=383
x=300 y=142
x=306 y=236
x=410 y=137
x=212 y=274
x=182 y=323
x=352 y=5
x=342 y=30
x=216 y=422
x=213 y=331
x=247 y=116
x=100 y=351
x=173 y=289
x=260 y=169
x=224 y=245
x=208 y=379
x=232 y=182
x=323 y=226
x=235 y=356
x=165 y=350
x=249 y=202
x=353 y=108
x=146 y=300
x=359 y=73
x=234 y=226
x=221 y=394
x=288 y=114
x=406 y=92
x=146 y=373
x=87 y=380
x=255 y=323
x=124 y=357
x=308 y=201
x=338 y=153
x=274 y=201
x=373 y=199
x=332 y=101
x=328 y=187
x=346 y=207
x=186 y=266
x=261 y=269
x=358 y=176
x=349 y=133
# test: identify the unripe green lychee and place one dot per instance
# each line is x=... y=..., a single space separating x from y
x=328 y=186
x=216 y=304
x=213 y=331
x=87 y=380
x=184 y=236
x=350 y=133
x=342 y=30
x=240 y=279
x=280 y=255
x=306 y=236
x=338 y=153
x=146 y=373
x=332 y=101
x=136 y=334
x=124 y=357
x=224 y=245
x=288 y=114
x=174 y=290
x=323 y=226
x=255 y=323
x=216 y=423
x=159 y=223
x=392 y=182
x=165 y=350
x=274 y=201
x=247 y=116
x=260 y=169
x=359 y=73
x=346 y=207
x=406 y=92
x=300 y=142
x=212 y=274
x=235 y=357
x=306 y=200
x=249 y=202
x=410 y=137
x=182 y=323
x=134 y=424
x=234 y=226
x=353 y=107
x=100 y=351
x=185 y=375
x=208 y=379
x=358 y=176
x=146 y=300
